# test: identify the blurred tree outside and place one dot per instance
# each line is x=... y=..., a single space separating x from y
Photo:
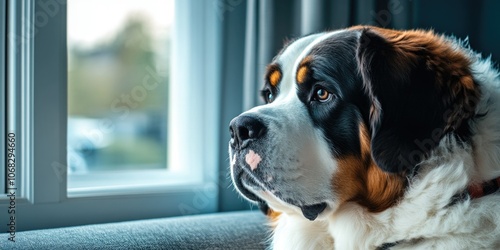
x=121 y=84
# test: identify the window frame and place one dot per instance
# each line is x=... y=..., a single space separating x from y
x=42 y=122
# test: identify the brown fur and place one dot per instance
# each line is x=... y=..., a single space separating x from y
x=273 y=215
x=360 y=180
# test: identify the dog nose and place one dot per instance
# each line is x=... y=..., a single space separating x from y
x=244 y=129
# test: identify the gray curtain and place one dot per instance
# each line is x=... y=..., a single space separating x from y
x=255 y=30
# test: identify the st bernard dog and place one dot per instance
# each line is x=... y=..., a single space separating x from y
x=374 y=138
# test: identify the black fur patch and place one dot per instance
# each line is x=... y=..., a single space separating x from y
x=333 y=67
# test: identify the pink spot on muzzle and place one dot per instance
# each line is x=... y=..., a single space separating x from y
x=252 y=159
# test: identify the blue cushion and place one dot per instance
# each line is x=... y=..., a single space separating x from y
x=234 y=230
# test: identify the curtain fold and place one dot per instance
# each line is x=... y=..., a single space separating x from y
x=268 y=25
x=251 y=66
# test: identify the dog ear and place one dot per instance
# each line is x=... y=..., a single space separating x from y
x=420 y=89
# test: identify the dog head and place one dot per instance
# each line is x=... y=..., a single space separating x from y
x=348 y=115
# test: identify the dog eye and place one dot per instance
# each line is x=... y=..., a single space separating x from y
x=322 y=95
x=268 y=96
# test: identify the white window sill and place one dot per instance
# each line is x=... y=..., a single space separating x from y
x=132 y=182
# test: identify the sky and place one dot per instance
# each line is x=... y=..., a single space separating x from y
x=91 y=21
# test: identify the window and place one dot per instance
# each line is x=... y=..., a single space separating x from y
x=178 y=177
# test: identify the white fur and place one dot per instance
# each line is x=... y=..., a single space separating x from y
x=487 y=134
x=423 y=218
x=290 y=231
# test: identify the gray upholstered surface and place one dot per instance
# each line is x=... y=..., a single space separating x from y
x=235 y=230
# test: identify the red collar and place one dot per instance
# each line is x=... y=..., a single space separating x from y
x=481 y=189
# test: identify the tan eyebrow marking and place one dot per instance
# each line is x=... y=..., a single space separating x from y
x=273 y=74
x=275 y=78
x=303 y=70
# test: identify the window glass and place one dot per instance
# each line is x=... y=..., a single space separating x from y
x=118 y=76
